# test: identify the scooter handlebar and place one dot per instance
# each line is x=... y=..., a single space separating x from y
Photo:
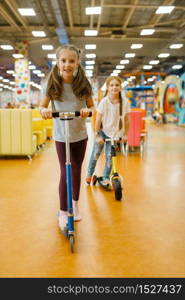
x=68 y=114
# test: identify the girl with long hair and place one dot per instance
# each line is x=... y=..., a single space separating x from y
x=68 y=89
x=112 y=121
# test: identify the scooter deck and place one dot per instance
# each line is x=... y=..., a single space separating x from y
x=105 y=186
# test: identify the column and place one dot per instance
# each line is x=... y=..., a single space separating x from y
x=22 y=74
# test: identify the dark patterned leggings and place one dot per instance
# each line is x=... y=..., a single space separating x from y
x=77 y=153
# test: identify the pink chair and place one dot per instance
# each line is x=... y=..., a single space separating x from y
x=135 y=138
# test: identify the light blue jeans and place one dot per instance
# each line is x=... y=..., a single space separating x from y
x=97 y=150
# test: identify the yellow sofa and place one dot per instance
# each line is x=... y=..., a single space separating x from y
x=16 y=134
x=48 y=124
x=43 y=128
x=38 y=127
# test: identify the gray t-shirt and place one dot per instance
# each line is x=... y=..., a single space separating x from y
x=77 y=126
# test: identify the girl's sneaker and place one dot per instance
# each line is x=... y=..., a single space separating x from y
x=88 y=179
x=62 y=220
x=77 y=216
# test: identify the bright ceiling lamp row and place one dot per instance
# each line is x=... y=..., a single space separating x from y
x=93 y=11
x=96 y=10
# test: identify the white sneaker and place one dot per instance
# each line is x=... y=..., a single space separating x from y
x=62 y=219
x=77 y=216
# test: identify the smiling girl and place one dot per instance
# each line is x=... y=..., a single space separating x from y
x=68 y=89
x=112 y=121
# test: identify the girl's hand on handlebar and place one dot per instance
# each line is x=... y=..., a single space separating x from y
x=46 y=113
x=84 y=112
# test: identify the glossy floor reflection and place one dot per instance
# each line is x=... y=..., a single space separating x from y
x=142 y=236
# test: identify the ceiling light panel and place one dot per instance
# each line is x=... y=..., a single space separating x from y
x=90 y=32
x=96 y=10
x=26 y=11
x=136 y=46
x=164 y=9
x=90 y=55
x=176 y=46
x=130 y=55
x=90 y=46
x=163 y=55
x=154 y=62
x=6 y=47
x=47 y=47
x=147 y=31
x=38 y=33
x=177 y=67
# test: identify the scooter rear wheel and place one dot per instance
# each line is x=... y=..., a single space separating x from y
x=117 y=189
x=71 y=242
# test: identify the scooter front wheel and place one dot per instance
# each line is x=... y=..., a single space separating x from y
x=94 y=179
x=117 y=189
x=71 y=242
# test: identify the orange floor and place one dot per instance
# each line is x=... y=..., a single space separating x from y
x=142 y=236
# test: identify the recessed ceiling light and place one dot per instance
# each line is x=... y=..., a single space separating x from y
x=47 y=47
x=26 y=11
x=32 y=67
x=154 y=62
x=90 y=46
x=89 y=67
x=90 y=55
x=36 y=71
x=176 y=46
x=6 y=47
x=124 y=61
x=129 y=55
x=147 y=31
x=90 y=32
x=176 y=67
x=117 y=71
x=90 y=62
x=89 y=71
x=10 y=71
x=17 y=55
x=41 y=75
x=89 y=74
x=164 y=9
x=147 y=67
x=136 y=46
x=163 y=55
x=38 y=33
x=120 y=67
x=96 y=10
x=52 y=56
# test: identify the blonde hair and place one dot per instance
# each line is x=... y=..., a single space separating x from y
x=80 y=84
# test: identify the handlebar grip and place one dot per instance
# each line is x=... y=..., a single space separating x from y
x=77 y=113
x=55 y=114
